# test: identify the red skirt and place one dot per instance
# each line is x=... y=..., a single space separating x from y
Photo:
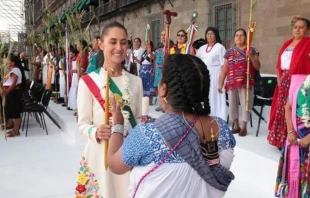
x=277 y=123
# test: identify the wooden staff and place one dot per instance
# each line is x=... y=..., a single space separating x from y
x=3 y=119
x=168 y=14
x=251 y=30
x=106 y=116
x=148 y=38
x=192 y=29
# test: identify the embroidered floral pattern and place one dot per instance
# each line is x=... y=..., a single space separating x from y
x=87 y=185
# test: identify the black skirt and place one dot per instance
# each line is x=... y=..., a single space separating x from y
x=13 y=104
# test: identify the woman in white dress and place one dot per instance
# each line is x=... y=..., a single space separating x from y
x=212 y=54
x=72 y=103
x=93 y=179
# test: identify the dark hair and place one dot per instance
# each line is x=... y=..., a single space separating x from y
x=188 y=82
x=184 y=33
x=83 y=43
x=73 y=50
x=113 y=24
x=97 y=37
x=216 y=33
x=17 y=62
x=152 y=45
x=198 y=43
x=138 y=39
x=240 y=29
x=244 y=32
x=129 y=43
x=307 y=22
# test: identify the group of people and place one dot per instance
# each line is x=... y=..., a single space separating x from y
x=189 y=142
x=289 y=116
x=190 y=139
x=52 y=70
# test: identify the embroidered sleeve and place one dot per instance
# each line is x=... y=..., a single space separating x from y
x=226 y=139
x=144 y=145
x=85 y=114
x=136 y=149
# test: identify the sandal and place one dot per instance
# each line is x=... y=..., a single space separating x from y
x=10 y=135
x=234 y=131
x=243 y=133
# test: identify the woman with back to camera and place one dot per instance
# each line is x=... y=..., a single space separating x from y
x=293 y=59
x=199 y=165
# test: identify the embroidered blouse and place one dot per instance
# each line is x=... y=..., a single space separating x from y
x=145 y=145
x=237 y=68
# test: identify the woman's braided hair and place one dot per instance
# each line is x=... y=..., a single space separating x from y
x=188 y=82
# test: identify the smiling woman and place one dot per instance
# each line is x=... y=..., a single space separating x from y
x=93 y=179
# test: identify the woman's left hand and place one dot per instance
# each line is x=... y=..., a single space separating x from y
x=116 y=112
x=304 y=142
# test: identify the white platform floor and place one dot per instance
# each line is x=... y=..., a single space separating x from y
x=41 y=166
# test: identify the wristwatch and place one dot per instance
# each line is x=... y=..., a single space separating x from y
x=118 y=128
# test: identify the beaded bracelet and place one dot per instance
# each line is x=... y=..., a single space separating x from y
x=118 y=128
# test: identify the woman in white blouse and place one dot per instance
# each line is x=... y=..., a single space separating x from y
x=12 y=92
x=212 y=54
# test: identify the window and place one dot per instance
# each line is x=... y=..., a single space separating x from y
x=156 y=24
x=155 y=32
x=222 y=15
x=223 y=22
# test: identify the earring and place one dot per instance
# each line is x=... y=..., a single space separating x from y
x=165 y=100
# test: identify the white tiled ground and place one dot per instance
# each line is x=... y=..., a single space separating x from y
x=41 y=166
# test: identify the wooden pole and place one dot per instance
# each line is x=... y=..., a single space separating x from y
x=106 y=116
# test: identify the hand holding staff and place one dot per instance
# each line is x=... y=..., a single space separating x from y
x=193 y=28
x=168 y=14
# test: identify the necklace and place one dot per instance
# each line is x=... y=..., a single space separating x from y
x=126 y=94
x=207 y=51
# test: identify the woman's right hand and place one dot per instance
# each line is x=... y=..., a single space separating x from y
x=220 y=89
x=278 y=81
x=103 y=132
x=292 y=138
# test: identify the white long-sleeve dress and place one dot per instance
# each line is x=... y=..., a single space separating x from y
x=93 y=179
x=213 y=57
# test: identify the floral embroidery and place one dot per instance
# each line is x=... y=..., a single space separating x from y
x=87 y=185
x=80 y=188
x=90 y=131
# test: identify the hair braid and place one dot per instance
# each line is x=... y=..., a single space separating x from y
x=188 y=82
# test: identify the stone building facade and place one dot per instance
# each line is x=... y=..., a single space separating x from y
x=273 y=19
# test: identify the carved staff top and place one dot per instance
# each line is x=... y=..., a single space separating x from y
x=169 y=14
